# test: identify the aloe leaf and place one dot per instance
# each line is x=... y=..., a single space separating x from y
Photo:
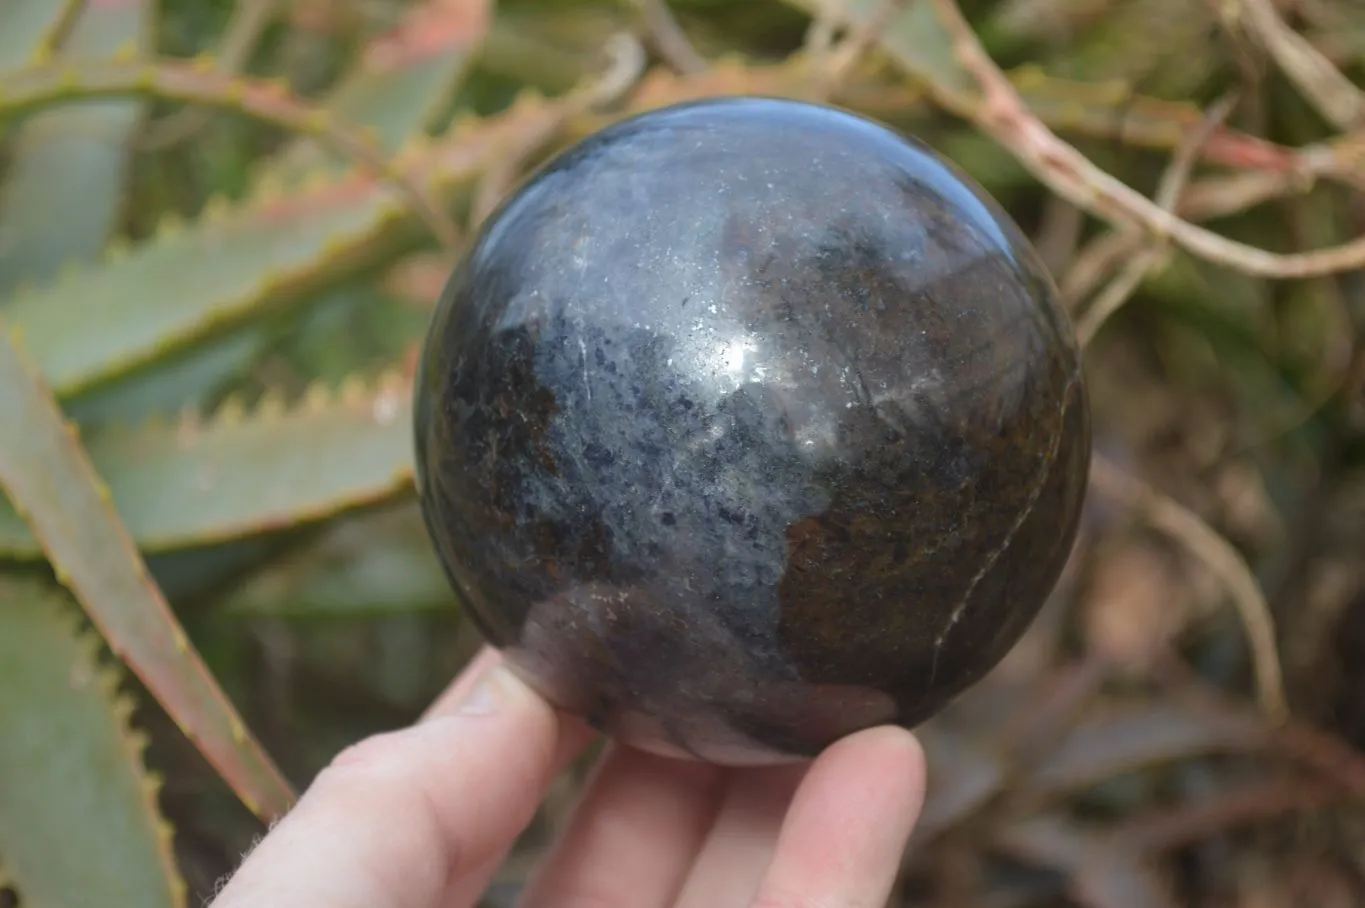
x=47 y=476
x=403 y=81
x=64 y=186
x=188 y=381
x=187 y=483
x=187 y=283
x=79 y=820
x=201 y=81
x=190 y=282
x=367 y=566
x=28 y=26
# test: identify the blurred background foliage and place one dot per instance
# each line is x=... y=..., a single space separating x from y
x=223 y=226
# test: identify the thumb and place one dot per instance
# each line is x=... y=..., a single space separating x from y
x=402 y=819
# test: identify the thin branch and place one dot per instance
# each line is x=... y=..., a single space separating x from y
x=1170 y=828
x=1119 y=290
x=839 y=58
x=1096 y=260
x=1173 y=183
x=1334 y=95
x=1206 y=544
x=626 y=64
x=669 y=39
x=1070 y=174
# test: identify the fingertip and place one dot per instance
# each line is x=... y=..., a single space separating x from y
x=459 y=687
x=851 y=819
x=890 y=761
x=889 y=749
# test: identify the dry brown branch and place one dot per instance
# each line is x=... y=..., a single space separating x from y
x=1220 y=196
x=1095 y=261
x=1334 y=95
x=669 y=40
x=626 y=63
x=1004 y=116
x=840 y=58
x=1136 y=269
x=1119 y=290
x=1302 y=742
x=1166 y=829
x=1207 y=545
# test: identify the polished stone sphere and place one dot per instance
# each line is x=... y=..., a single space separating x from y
x=747 y=424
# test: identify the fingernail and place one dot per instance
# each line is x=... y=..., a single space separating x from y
x=489 y=694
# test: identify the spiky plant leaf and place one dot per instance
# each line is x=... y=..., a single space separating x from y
x=401 y=83
x=187 y=483
x=191 y=281
x=202 y=82
x=370 y=565
x=28 y=26
x=79 y=820
x=186 y=283
x=189 y=380
x=47 y=476
x=63 y=188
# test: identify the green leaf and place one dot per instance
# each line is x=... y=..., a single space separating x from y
x=367 y=566
x=189 y=380
x=28 y=26
x=402 y=83
x=64 y=186
x=79 y=822
x=47 y=476
x=190 y=282
x=186 y=484
x=184 y=284
x=200 y=82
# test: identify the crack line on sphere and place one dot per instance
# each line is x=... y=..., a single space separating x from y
x=960 y=609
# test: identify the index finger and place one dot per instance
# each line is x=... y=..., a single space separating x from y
x=403 y=818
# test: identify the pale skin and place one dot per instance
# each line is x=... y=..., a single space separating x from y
x=424 y=816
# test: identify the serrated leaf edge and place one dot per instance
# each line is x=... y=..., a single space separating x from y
x=109 y=677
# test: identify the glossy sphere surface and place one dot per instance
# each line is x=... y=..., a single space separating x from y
x=746 y=424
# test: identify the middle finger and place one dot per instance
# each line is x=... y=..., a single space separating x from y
x=736 y=855
x=633 y=835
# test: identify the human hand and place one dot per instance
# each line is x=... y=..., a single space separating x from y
x=423 y=818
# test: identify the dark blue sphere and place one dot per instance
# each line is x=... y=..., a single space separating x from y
x=746 y=424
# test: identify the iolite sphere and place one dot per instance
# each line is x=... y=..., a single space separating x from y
x=747 y=424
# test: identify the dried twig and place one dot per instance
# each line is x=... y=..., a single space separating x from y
x=1302 y=742
x=669 y=39
x=1096 y=260
x=1173 y=183
x=1170 y=828
x=626 y=64
x=1334 y=95
x=1066 y=171
x=1219 y=556
x=838 y=59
